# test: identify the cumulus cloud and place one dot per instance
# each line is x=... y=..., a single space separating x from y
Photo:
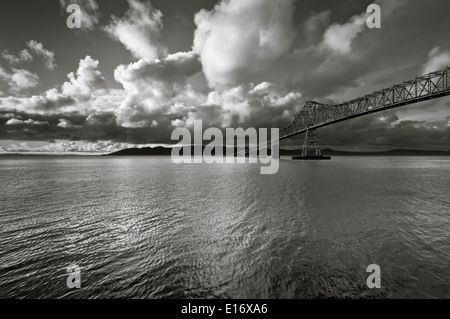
x=35 y=48
x=65 y=123
x=160 y=96
x=62 y=147
x=86 y=80
x=15 y=121
x=437 y=59
x=89 y=12
x=22 y=56
x=338 y=37
x=233 y=47
x=139 y=30
x=157 y=88
x=262 y=105
x=18 y=80
x=85 y=90
x=246 y=105
x=48 y=56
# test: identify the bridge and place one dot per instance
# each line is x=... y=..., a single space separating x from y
x=315 y=115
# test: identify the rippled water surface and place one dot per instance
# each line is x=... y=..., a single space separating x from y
x=143 y=227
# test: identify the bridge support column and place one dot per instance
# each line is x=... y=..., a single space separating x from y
x=311 y=148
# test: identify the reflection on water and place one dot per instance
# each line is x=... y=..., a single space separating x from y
x=143 y=227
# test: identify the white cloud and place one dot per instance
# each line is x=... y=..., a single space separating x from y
x=160 y=95
x=7 y=115
x=89 y=12
x=64 y=123
x=437 y=59
x=22 y=56
x=262 y=105
x=157 y=88
x=33 y=122
x=18 y=80
x=70 y=147
x=239 y=39
x=23 y=79
x=46 y=55
x=139 y=30
x=85 y=92
x=86 y=80
x=339 y=37
x=15 y=121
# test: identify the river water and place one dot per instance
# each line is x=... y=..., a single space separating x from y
x=144 y=227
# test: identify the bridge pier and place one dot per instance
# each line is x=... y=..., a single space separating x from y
x=311 y=149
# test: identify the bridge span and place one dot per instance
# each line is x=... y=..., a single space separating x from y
x=315 y=115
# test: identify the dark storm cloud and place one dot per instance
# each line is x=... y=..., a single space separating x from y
x=76 y=126
x=377 y=58
x=386 y=131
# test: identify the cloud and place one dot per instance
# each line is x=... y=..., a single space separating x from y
x=26 y=55
x=157 y=89
x=343 y=60
x=85 y=91
x=262 y=105
x=18 y=80
x=386 y=131
x=246 y=105
x=437 y=59
x=86 y=80
x=261 y=67
x=46 y=55
x=238 y=40
x=338 y=37
x=89 y=12
x=22 y=56
x=316 y=22
x=15 y=121
x=139 y=30
x=161 y=97
x=64 y=123
x=62 y=147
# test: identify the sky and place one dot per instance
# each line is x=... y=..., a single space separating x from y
x=136 y=70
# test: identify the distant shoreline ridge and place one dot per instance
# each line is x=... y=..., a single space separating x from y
x=166 y=151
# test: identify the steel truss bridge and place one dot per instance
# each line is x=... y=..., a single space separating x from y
x=315 y=115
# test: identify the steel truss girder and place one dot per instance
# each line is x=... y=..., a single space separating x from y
x=315 y=115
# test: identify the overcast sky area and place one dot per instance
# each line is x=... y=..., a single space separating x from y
x=136 y=70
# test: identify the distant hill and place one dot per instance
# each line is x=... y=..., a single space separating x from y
x=396 y=152
x=166 y=151
x=146 y=151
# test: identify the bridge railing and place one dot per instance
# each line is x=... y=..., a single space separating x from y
x=315 y=115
